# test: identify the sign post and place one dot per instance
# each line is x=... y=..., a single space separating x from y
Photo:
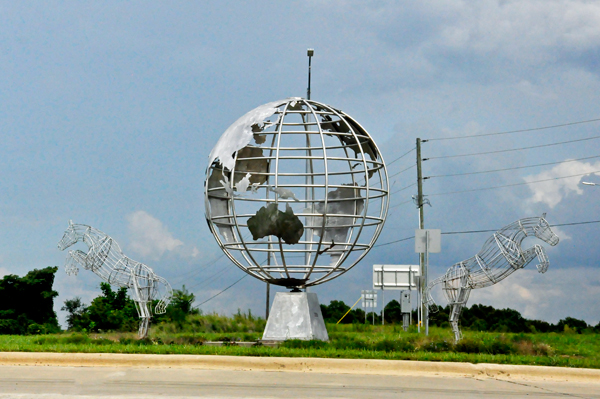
x=426 y=241
x=369 y=300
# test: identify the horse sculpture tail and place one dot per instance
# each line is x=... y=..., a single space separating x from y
x=165 y=295
x=428 y=299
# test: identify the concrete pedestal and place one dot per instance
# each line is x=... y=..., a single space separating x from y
x=295 y=315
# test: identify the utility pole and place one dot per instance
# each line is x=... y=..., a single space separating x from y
x=424 y=316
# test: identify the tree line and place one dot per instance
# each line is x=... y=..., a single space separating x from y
x=27 y=307
x=477 y=318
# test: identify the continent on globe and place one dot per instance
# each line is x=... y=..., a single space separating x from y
x=318 y=161
x=270 y=220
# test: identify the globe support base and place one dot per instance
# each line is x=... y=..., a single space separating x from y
x=295 y=315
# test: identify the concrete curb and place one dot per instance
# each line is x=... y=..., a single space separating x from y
x=288 y=364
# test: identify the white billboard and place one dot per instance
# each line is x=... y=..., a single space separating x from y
x=395 y=277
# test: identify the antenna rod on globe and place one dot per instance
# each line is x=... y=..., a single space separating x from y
x=310 y=52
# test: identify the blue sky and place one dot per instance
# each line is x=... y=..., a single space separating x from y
x=108 y=112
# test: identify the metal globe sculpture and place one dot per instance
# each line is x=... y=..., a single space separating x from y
x=296 y=192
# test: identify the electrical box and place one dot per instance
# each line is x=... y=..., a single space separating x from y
x=405 y=305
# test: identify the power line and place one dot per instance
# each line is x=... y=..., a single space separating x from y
x=210 y=278
x=513 y=131
x=482 y=231
x=400 y=240
x=552 y=225
x=199 y=269
x=222 y=291
x=403 y=188
x=228 y=287
x=514 y=149
x=393 y=242
x=401 y=203
x=402 y=171
x=575 y=223
x=514 y=168
x=514 y=184
x=401 y=156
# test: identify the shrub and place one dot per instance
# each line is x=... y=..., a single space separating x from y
x=77 y=339
x=394 y=345
x=436 y=346
x=468 y=345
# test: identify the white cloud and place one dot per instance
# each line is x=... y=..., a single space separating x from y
x=518 y=24
x=488 y=40
x=561 y=233
x=149 y=236
x=4 y=272
x=552 y=192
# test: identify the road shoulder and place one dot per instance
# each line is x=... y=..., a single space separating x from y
x=306 y=365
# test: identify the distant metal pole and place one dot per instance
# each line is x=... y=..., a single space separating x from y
x=410 y=281
x=383 y=305
x=310 y=52
x=268 y=300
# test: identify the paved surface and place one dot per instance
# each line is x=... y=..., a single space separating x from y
x=298 y=364
x=79 y=375
x=50 y=382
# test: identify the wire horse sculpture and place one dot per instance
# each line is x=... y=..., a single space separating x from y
x=500 y=256
x=106 y=259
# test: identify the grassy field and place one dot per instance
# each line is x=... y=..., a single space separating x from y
x=346 y=341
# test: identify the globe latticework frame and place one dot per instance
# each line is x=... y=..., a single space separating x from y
x=296 y=193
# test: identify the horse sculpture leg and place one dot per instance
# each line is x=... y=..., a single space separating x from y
x=142 y=290
x=457 y=290
x=144 y=313
x=429 y=301
x=164 y=292
x=75 y=258
x=542 y=258
x=456 y=309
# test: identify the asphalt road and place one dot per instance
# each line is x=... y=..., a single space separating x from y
x=50 y=382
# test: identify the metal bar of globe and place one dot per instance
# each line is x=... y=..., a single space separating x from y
x=333 y=204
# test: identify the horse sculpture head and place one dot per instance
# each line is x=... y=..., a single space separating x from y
x=544 y=232
x=69 y=238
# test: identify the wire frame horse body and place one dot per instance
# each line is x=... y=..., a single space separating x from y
x=500 y=256
x=105 y=259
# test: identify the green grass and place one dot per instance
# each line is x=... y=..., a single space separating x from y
x=346 y=341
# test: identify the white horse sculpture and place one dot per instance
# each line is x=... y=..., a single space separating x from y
x=105 y=258
x=500 y=256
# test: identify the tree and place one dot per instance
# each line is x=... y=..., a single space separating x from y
x=393 y=312
x=334 y=311
x=27 y=303
x=572 y=323
x=179 y=308
x=77 y=317
x=110 y=311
